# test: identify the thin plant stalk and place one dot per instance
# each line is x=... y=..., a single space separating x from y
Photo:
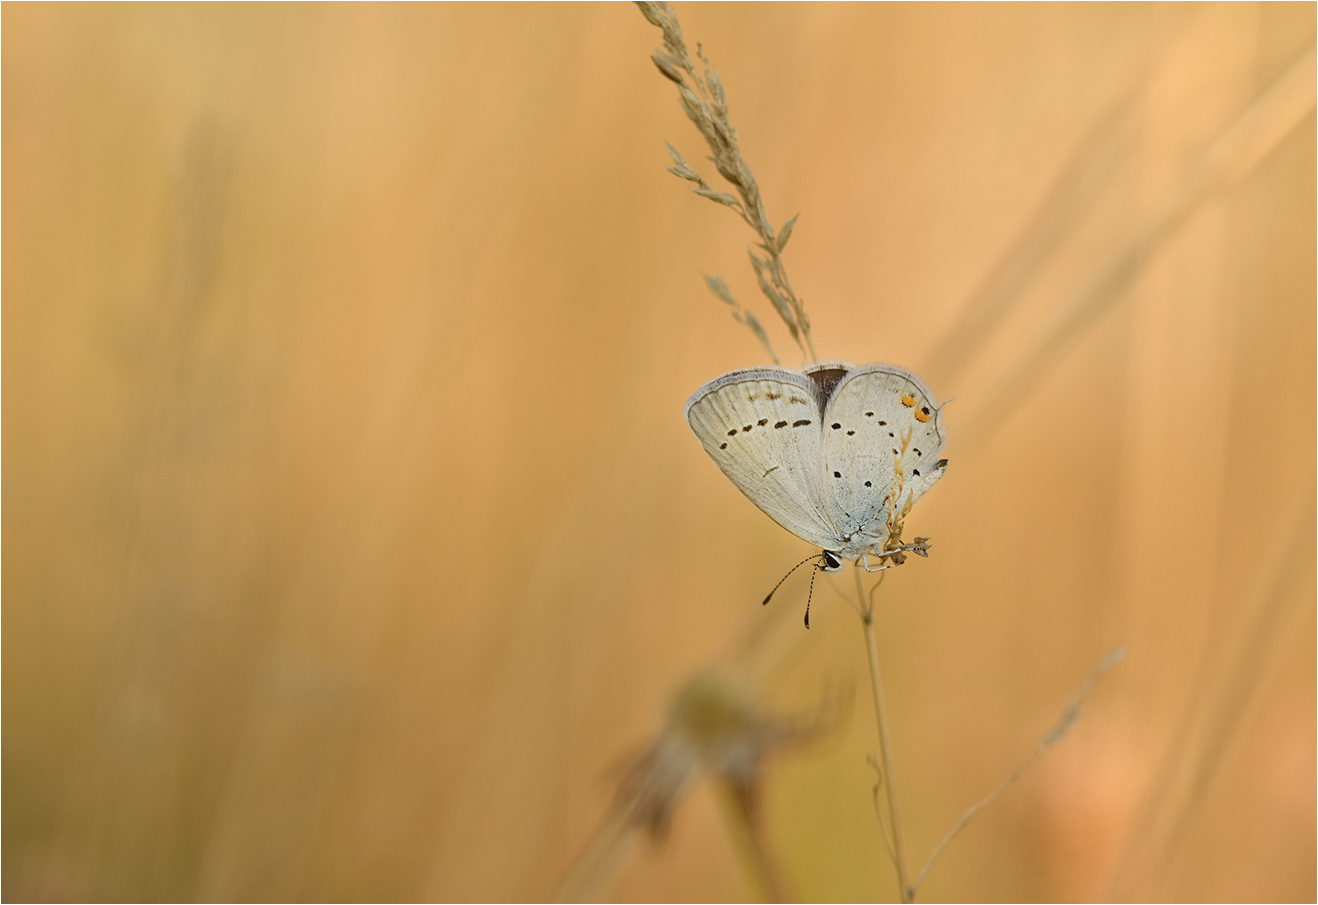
x=744 y=814
x=885 y=753
x=1072 y=713
x=595 y=869
x=1274 y=113
x=1234 y=679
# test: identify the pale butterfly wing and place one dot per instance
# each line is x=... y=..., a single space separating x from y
x=761 y=427
x=877 y=417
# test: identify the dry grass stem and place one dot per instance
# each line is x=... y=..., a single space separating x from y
x=595 y=868
x=1273 y=114
x=1232 y=683
x=896 y=841
x=705 y=104
x=1082 y=182
x=742 y=803
x=1072 y=713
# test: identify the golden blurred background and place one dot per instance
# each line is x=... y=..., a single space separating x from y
x=354 y=541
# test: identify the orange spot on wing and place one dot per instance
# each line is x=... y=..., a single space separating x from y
x=909 y=401
x=922 y=414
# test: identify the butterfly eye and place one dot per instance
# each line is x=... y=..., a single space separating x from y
x=909 y=401
x=922 y=414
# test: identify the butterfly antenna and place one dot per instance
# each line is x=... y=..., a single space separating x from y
x=789 y=574
x=811 y=595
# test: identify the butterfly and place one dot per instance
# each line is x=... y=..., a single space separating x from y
x=834 y=453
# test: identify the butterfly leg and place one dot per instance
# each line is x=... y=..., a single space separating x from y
x=865 y=564
x=920 y=547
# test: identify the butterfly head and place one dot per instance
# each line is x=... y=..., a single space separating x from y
x=829 y=562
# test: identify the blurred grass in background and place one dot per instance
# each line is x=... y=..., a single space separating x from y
x=353 y=537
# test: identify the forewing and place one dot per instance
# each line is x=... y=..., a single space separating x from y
x=761 y=427
x=877 y=417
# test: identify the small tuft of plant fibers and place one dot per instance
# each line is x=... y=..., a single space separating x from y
x=716 y=727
